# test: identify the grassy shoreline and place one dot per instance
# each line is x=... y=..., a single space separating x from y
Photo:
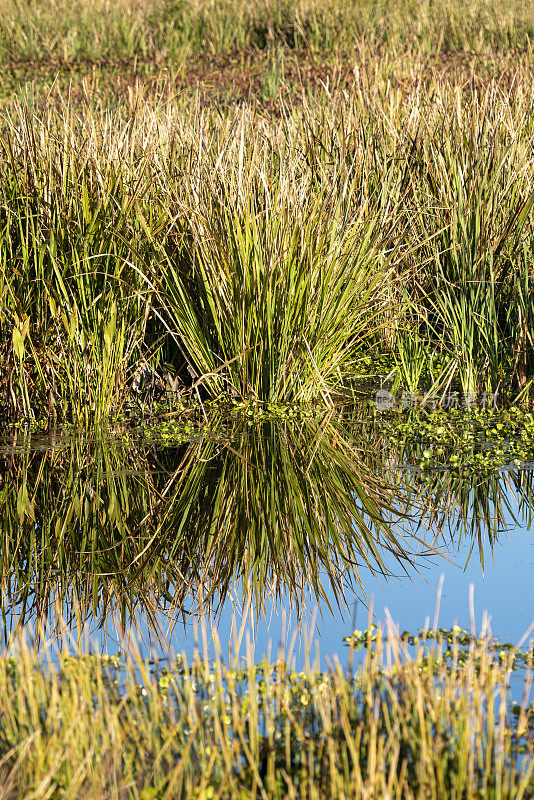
x=249 y=209
x=265 y=256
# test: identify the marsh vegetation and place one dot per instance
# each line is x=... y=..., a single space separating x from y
x=223 y=227
x=262 y=249
x=402 y=728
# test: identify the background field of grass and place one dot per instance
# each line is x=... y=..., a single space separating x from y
x=175 y=28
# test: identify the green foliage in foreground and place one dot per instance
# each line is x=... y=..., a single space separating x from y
x=418 y=728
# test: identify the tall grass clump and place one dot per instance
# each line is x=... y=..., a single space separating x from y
x=415 y=727
x=279 y=271
x=238 y=251
x=73 y=316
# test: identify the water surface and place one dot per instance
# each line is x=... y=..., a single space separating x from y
x=265 y=530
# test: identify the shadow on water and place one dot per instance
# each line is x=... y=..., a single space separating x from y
x=95 y=528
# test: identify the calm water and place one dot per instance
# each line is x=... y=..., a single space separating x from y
x=499 y=595
x=265 y=532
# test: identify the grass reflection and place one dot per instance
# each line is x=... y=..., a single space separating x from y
x=96 y=528
x=479 y=510
x=92 y=527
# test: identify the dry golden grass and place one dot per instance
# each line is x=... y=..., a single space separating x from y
x=435 y=725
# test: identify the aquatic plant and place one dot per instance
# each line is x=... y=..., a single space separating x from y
x=465 y=441
x=400 y=726
x=475 y=210
x=275 y=282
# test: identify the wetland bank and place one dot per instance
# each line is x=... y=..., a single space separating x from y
x=266 y=349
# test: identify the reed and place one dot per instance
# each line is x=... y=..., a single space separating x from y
x=278 y=272
x=77 y=318
x=260 y=248
x=439 y=721
x=475 y=211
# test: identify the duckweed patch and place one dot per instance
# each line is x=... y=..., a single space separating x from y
x=447 y=645
x=217 y=418
x=463 y=441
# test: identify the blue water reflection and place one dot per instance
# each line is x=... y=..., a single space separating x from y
x=502 y=600
x=320 y=521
